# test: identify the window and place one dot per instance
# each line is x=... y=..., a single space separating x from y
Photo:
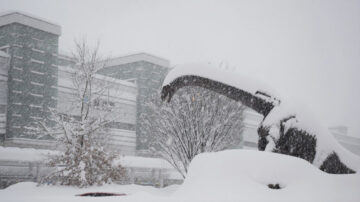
x=103 y=103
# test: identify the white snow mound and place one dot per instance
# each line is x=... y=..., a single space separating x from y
x=244 y=175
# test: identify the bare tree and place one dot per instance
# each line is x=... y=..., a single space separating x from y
x=77 y=129
x=196 y=121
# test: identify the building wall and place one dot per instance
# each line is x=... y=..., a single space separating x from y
x=4 y=67
x=33 y=87
x=148 y=72
x=32 y=76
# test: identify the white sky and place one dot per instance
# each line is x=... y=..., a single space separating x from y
x=306 y=49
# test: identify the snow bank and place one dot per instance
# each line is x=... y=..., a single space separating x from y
x=243 y=175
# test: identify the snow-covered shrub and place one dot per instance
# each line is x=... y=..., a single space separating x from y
x=81 y=130
x=332 y=164
x=296 y=134
x=196 y=121
x=284 y=129
x=84 y=165
x=291 y=141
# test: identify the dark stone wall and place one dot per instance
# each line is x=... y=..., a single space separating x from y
x=31 y=84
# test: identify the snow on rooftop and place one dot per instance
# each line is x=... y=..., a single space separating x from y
x=29 y=20
x=135 y=57
x=3 y=54
x=125 y=59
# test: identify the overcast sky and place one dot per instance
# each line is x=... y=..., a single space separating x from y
x=306 y=50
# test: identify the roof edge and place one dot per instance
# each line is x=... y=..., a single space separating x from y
x=134 y=57
x=23 y=18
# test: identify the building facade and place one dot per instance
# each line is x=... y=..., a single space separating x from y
x=35 y=78
x=4 y=67
x=119 y=95
x=148 y=72
x=32 y=45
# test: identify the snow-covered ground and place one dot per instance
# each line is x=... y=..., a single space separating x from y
x=233 y=175
x=236 y=175
x=30 y=192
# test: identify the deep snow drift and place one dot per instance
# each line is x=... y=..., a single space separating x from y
x=236 y=175
x=233 y=175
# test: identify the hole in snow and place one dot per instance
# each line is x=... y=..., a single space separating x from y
x=96 y=194
x=274 y=186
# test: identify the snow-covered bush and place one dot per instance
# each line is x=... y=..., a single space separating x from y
x=196 y=121
x=84 y=166
x=284 y=129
